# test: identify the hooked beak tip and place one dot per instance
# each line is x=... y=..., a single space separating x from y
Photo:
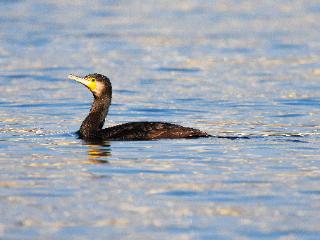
x=72 y=76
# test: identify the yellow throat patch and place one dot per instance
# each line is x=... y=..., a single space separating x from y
x=91 y=84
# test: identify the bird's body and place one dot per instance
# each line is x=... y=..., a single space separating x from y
x=91 y=127
x=145 y=131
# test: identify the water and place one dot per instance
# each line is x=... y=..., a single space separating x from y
x=248 y=70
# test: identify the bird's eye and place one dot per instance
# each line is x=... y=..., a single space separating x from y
x=91 y=79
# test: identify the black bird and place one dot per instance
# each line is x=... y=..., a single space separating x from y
x=91 y=127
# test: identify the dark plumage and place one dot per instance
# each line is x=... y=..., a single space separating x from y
x=91 y=127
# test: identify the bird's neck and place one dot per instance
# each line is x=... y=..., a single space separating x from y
x=95 y=120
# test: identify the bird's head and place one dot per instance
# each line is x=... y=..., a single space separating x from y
x=98 y=84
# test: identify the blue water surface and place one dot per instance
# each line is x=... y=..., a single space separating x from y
x=247 y=72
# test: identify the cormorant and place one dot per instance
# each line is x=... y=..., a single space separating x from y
x=91 y=127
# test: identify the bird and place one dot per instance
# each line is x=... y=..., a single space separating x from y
x=92 y=126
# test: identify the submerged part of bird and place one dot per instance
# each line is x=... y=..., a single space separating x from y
x=91 y=127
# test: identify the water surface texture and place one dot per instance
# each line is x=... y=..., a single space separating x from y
x=245 y=70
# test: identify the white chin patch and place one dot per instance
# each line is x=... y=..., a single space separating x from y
x=99 y=89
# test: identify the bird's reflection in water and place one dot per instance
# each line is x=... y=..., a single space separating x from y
x=98 y=151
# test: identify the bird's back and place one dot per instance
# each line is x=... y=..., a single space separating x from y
x=149 y=131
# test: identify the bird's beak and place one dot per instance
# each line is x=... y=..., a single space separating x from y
x=78 y=79
x=89 y=84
